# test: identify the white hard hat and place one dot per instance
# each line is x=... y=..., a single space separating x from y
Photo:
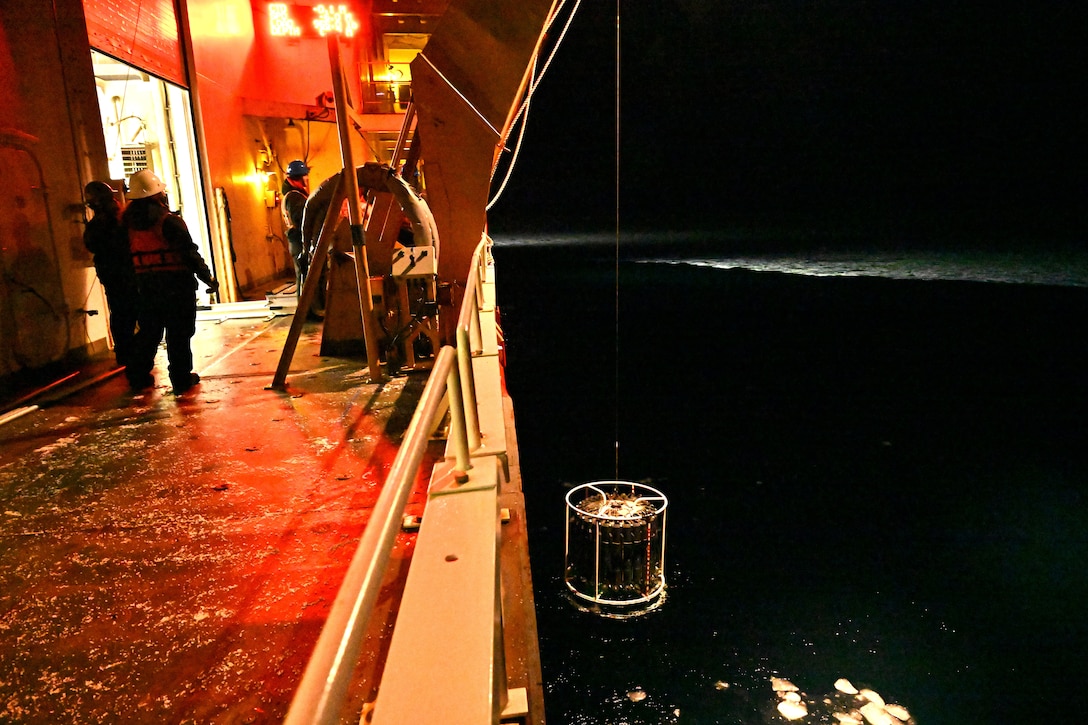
x=143 y=184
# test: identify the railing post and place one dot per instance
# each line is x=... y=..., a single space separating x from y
x=468 y=327
x=474 y=332
x=501 y=687
x=457 y=420
x=468 y=390
x=474 y=321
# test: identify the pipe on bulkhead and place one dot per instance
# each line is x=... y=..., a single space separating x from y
x=18 y=140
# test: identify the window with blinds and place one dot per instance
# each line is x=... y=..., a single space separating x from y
x=134 y=159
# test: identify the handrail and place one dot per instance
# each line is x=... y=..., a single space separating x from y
x=323 y=689
x=470 y=339
x=468 y=318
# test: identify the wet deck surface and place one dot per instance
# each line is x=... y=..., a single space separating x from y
x=172 y=558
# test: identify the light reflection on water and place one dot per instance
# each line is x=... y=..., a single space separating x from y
x=1028 y=263
x=1004 y=268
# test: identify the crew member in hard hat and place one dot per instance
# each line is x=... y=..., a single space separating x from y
x=167 y=265
x=107 y=239
x=295 y=191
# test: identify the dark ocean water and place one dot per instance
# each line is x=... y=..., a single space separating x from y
x=875 y=464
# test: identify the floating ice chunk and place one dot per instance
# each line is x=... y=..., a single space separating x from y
x=849 y=718
x=636 y=695
x=720 y=685
x=844 y=685
x=779 y=684
x=898 y=711
x=875 y=715
x=792 y=710
x=871 y=696
x=790 y=696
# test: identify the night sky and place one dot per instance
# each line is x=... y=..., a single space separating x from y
x=898 y=120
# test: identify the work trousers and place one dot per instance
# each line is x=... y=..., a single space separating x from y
x=298 y=256
x=167 y=306
x=123 y=298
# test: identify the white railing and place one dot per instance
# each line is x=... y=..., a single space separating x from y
x=323 y=690
x=470 y=339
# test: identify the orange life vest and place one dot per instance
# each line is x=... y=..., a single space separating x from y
x=151 y=252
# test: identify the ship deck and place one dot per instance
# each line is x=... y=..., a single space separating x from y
x=172 y=558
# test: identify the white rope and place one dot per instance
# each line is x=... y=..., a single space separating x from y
x=524 y=108
x=513 y=158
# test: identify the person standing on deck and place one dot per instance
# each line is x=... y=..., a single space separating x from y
x=167 y=265
x=295 y=191
x=107 y=239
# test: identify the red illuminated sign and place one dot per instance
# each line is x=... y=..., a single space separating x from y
x=286 y=20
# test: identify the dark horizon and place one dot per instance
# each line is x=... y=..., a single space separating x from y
x=830 y=120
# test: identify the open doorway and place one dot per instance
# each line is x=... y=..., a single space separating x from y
x=148 y=124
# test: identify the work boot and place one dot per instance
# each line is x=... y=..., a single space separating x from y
x=180 y=386
x=141 y=382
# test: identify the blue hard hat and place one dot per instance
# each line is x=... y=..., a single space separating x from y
x=297 y=168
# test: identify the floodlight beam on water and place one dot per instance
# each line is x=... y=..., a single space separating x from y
x=615 y=543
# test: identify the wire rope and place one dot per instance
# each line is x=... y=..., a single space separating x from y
x=124 y=93
x=617 y=263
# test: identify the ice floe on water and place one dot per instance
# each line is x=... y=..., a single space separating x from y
x=780 y=684
x=792 y=709
x=844 y=704
x=843 y=685
x=847 y=705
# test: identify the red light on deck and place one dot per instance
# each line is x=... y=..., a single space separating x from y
x=286 y=20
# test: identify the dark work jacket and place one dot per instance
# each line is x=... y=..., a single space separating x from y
x=107 y=239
